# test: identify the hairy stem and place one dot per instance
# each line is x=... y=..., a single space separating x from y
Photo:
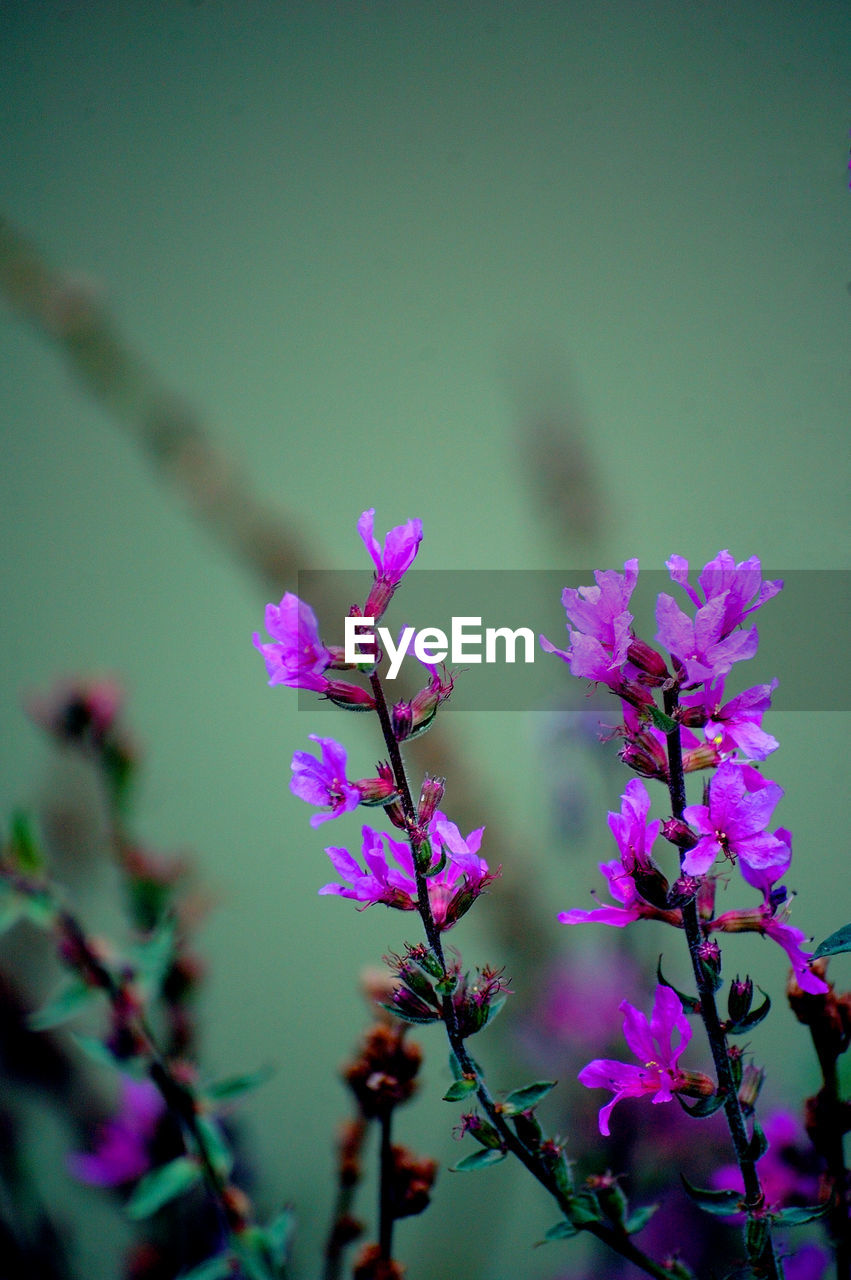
x=534 y=1161
x=764 y=1262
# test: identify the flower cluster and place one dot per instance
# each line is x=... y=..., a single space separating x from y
x=729 y=828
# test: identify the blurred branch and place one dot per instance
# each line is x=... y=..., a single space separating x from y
x=172 y=437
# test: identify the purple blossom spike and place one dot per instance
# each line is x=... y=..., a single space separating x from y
x=652 y=1042
x=298 y=657
x=324 y=781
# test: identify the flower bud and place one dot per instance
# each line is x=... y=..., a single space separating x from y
x=430 y=798
x=682 y=891
x=739 y=999
x=648 y=660
x=703 y=757
x=349 y=696
x=402 y=720
x=749 y=1089
x=679 y=833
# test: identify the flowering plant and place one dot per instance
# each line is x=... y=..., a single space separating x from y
x=169 y=1146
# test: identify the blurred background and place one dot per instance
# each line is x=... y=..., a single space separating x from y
x=571 y=283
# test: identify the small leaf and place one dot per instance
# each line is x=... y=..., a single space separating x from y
x=164 y=1184
x=836 y=943
x=40 y=907
x=12 y=907
x=563 y=1230
x=279 y=1234
x=253 y=1252
x=222 y=1267
x=218 y=1151
x=410 y=1017
x=526 y=1098
x=639 y=1219
x=479 y=1160
x=659 y=719
x=235 y=1086
x=721 y=1203
x=153 y=956
x=691 y=1004
x=71 y=997
x=25 y=849
x=797 y=1214
x=703 y=1107
x=98 y=1052
x=584 y=1210
x=494 y=1008
x=459 y=1090
x=758 y=1144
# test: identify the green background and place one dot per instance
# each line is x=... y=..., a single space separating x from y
x=376 y=246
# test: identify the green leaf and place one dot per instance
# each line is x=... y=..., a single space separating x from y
x=720 y=1203
x=660 y=720
x=71 y=997
x=758 y=1144
x=479 y=1160
x=279 y=1234
x=219 y=1268
x=235 y=1086
x=639 y=1219
x=703 y=1107
x=460 y=1089
x=494 y=1008
x=163 y=1184
x=797 y=1214
x=40 y=907
x=416 y=1019
x=584 y=1210
x=218 y=1151
x=12 y=907
x=253 y=1252
x=528 y=1097
x=691 y=1004
x=563 y=1230
x=152 y=958
x=25 y=849
x=98 y=1052
x=836 y=943
x=458 y=1071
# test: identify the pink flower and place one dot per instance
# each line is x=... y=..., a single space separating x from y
x=298 y=657
x=771 y=918
x=652 y=1043
x=634 y=837
x=602 y=622
x=733 y=825
x=391 y=562
x=451 y=890
x=324 y=781
x=122 y=1150
x=708 y=646
x=735 y=725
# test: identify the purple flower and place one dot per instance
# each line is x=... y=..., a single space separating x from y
x=298 y=657
x=392 y=562
x=451 y=890
x=653 y=1045
x=324 y=781
x=708 y=646
x=122 y=1148
x=736 y=725
x=601 y=634
x=634 y=837
x=772 y=918
x=741 y=802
